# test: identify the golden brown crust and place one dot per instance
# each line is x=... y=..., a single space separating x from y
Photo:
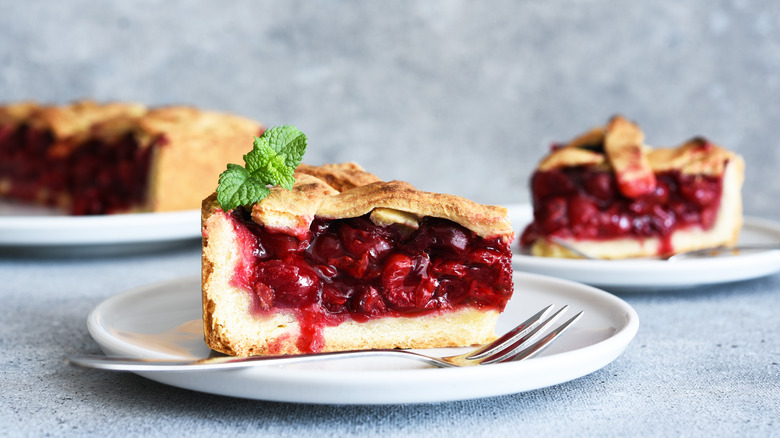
x=622 y=147
x=292 y=209
x=186 y=124
x=484 y=220
x=17 y=113
x=296 y=208
x=570 y=157
x=695 y=157
x=591 y=138
x=342 y=176
x=66 y=121
x=195 y=147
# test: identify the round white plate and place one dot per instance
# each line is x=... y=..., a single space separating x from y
x=23 y=226
x=648 y=274
x=164 y=321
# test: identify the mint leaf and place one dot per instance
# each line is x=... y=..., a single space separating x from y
x=271 y=162
x=291 y=142
x=236 y=186
x=268 y=165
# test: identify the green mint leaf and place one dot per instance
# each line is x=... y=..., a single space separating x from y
x=271 y=162
x=237 y=187
x=291 y=142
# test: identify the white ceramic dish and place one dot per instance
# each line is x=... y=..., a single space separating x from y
x=647 y=274
x=39 y=227
x=164 y=321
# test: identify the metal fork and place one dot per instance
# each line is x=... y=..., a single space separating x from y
x=522 y=342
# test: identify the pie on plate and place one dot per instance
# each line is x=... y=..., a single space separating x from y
x=90 y=158
x=609 y=196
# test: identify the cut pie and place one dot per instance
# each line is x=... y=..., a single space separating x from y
x=608 y=195
x=90 y=158
x=345 y=261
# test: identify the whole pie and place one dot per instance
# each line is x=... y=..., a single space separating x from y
x=91 y=158
x=608 y=195
x=346 y=261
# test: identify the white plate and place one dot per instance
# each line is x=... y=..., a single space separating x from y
x=164 y=321
x=645 y=274
x=22 y=226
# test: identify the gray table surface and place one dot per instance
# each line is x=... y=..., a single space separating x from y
x=474 y=92
x=705 y=361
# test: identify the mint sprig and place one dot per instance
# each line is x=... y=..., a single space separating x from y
x=271 y=162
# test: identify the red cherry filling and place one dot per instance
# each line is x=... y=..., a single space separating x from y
x=99 y=177
x=352 y=269
x=583 y=203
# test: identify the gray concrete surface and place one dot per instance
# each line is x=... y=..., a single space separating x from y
x=453 y=96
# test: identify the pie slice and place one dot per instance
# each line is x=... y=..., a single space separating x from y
x=610 y=196
x=345 y=261
x=91 y=158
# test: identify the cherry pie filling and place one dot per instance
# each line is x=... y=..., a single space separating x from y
x=584 y=203
x=99 y=177
x=352 y=269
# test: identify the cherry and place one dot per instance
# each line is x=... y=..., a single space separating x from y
x=325 y=248
x=600 y=185
x=369 y=302
x=279 y=244
x=293 y=282
x=355 y=268
x=336 y=299
x=360 y=242
x=613 y=223
x=484 y=256
x=581 y=211
x=406 y=283
x=663 y=220
x=551 y=183
x=700 y=192
x=452 y=290
x=449 y=268
x=553 y=214
x=442 y=235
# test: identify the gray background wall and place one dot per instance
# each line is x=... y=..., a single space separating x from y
x=453 y=96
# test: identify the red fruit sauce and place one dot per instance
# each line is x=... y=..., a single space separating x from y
x=352 y=269
x=582 y=203
x=99 y=177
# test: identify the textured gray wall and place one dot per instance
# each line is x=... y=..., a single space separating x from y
x=453 y=96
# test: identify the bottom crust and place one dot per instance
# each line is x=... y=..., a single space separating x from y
x=724 y=232
x=250 y=335
x=231 y=326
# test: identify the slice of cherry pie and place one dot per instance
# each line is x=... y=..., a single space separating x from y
x=90 y=158
x=610 y=196
x=346 y=261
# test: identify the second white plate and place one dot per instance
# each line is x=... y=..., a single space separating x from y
x=164 y=321
x=646 y=274
x=31 y=227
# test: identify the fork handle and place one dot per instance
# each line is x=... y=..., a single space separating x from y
x=115 y=363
